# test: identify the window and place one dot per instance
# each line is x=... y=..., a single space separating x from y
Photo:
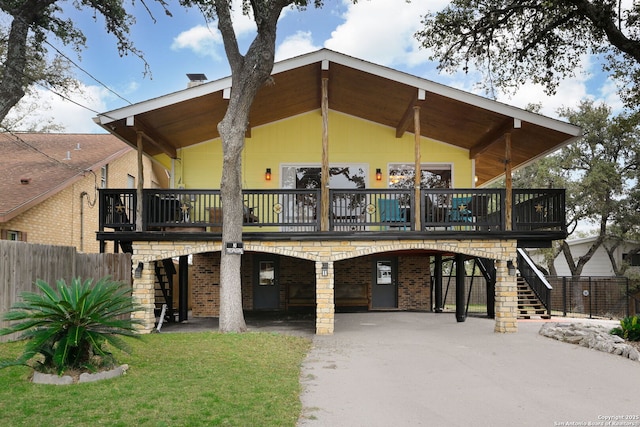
x=131 y=181
x=632 y=259
x=13 y=235
x=301 y=177
x=103 y=176
x=401 y=175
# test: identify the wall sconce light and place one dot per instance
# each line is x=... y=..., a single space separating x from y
x=267 y=174
x=511 y=268
x=325 y=268
x=378 y=174
x=138 y=273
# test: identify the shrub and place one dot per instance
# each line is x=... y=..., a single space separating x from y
x=629 y=329
x=69 y=328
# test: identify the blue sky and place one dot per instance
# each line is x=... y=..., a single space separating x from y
x=379 y=31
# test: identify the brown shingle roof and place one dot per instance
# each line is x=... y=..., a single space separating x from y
x=39 y=158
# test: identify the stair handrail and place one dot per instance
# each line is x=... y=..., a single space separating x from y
x=535 y=279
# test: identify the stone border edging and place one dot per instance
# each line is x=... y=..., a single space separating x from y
x=52 y=379
x=590 y=336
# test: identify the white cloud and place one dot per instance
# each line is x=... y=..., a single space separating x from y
x=296 y=44
x=382 y=31
x=71 y=117
x=202 y=40
x=207 y=41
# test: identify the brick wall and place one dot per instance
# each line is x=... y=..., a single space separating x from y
x=413 y=289
x=414 y=283
x=59 y=219
x=205 y=285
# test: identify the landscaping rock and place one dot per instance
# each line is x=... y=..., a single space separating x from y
x=104 y=375
x=590 y=336
x=51 y=379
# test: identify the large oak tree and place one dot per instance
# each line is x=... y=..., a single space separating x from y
x=26 y=60
x=249 y=71
x=544 y=41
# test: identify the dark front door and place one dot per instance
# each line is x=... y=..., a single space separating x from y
x=266 y=287
x=384 y=291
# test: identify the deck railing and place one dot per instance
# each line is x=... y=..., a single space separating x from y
x=350 y=210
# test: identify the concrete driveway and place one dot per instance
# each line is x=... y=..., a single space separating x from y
x=425 y=369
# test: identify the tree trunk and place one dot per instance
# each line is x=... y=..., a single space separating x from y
x=13 y=83
x=248 y=74
x=231 y=314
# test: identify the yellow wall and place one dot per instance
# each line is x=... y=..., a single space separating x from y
x=298 y=140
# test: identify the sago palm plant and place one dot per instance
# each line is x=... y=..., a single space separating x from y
x=70 y=327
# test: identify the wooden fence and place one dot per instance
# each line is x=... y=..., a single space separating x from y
x=22 y=263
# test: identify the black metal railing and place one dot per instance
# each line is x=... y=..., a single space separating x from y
x=362 y=210
x=590 y=296
x=535 y=279
x=353 y=210
x=539 y=209
x=462 y=209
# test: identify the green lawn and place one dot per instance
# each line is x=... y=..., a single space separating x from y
x=180 y=379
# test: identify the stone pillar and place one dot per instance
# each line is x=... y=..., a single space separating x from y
x=325 y=303
x=506 y=309
x=143 y=296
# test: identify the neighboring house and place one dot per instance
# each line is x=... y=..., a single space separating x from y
x=48 y=190
x=600 y=264
x=335 y=217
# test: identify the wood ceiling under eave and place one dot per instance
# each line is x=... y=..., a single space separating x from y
x=359 y=93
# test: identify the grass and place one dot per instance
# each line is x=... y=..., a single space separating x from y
x=185 y=379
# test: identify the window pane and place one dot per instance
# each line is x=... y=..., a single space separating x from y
x=432 y=176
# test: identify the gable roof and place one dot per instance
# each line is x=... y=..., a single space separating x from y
x=357 y=88
x=38 y=160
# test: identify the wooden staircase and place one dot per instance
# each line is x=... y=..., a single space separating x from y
x=528 y=303
x=164 y=288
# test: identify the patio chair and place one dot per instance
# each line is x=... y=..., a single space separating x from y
x=461 y=210
x=391 y=212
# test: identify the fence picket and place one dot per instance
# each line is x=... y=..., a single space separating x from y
x=22 y=263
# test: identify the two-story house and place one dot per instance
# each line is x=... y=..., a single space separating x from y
x=359 y=180
x=49 y=185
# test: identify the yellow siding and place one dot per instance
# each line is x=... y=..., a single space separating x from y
x=298 y=140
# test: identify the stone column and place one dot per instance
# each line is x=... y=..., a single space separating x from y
x=143 y=296
x=506 y=308
x=325 y=303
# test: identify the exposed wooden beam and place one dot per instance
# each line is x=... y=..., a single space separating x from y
x=508 y=181
x=324 y=171
x=157 y=140
x=493 y=137
x=407 y=117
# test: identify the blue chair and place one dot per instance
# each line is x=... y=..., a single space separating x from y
x=390 y=212
x=461 y=210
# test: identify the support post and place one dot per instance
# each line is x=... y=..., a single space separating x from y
x=508 y=183
x=460 y=293
x=140 y=185
x=491 y=290
x=418 y=168
x=183 y=285
x=324 y=172
x=325 y=303
x=438 y=284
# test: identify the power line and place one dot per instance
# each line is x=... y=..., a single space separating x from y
x=88 y=73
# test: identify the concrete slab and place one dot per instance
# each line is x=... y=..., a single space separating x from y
x=425 y=369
